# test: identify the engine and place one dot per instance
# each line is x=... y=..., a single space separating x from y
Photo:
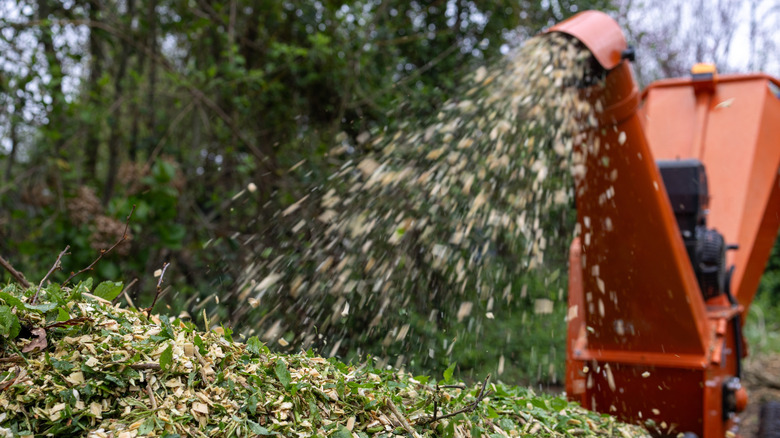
x=686 y=185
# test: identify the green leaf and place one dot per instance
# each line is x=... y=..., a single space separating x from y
x=227 y=333
x=558 y=404
x=422 y=379
x=491 y=413
x=11 y=300
x=258 y=429
x=341 y=432
x=40 y=308
x=282 y=373
x=61 y=365
x=167 y=330
x=254 y=346
x=166 y=357
x=147 y=427
x=198 y=341
x=448 y=372
x=62 y=315
x=9 y=323
x=83 y=286
x=108 y=290
x=539 y=403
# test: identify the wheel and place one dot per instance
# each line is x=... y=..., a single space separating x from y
x=769 y=420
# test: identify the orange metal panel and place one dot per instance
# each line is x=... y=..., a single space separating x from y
x=636 y=272
x=735 y=132
x=672 y=399
x=605 y=40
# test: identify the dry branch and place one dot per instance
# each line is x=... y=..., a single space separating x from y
x=103 y=251
x=469 y=408
x=57 y=265
x=18 y=276
x=158 y=292
x=400 y=417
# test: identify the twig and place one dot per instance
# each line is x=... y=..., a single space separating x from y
x=159 y=289
x=151 y=394
x=389 y=403
x=482 y=394
x=12 y=359
x=18 y=276
x=72 y=321
x=104 y=251
x=435 y=404
x=57 y=265
x=145 y=366
x=10 y=381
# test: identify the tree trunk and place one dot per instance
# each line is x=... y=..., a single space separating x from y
x=15 y=118
x=55 y=124
x=151 y=120
x=115 y=119
x=92 y=142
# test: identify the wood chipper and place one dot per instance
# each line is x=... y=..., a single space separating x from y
x=677 y=213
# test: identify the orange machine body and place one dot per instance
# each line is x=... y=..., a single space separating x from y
x=643 y=343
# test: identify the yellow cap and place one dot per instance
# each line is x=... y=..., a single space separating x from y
x=703 y=68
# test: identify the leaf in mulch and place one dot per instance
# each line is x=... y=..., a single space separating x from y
x=38 y=342
x=9 y=323
x=108 y=290
x=282 y=373
x=166 y=357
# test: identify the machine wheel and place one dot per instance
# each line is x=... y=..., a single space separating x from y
x=769 y=420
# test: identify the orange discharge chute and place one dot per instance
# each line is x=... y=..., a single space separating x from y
x=654 y=330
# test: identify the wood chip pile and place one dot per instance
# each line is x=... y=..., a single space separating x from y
x=74 y=364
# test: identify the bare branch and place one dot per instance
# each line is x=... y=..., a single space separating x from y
x=57 y=265
x=401 y=419
x=159 y=289
x=145 y=366
x=103 y=251
x=470 y=408
x=18 y=276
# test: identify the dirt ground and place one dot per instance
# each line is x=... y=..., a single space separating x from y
x=762 y=380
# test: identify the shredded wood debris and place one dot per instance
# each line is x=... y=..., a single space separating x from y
x=98 y=370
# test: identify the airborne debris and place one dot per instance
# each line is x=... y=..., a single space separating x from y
x=438 y=217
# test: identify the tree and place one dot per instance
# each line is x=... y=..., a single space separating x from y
x=670 y=37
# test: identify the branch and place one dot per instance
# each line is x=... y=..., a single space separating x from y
x=401 y=418
x=57 y=265
x=470 y=408
x=70 y=322
x=18 y=276
x=159 y=289
x=145 y=366
x=103 y=251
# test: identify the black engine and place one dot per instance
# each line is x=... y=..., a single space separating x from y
x=686 y=185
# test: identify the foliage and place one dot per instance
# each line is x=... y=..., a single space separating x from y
x=210 y=116
x=762 y=327
x=107 y=370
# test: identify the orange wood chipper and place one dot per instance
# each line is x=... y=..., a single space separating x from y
x=678 y=211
